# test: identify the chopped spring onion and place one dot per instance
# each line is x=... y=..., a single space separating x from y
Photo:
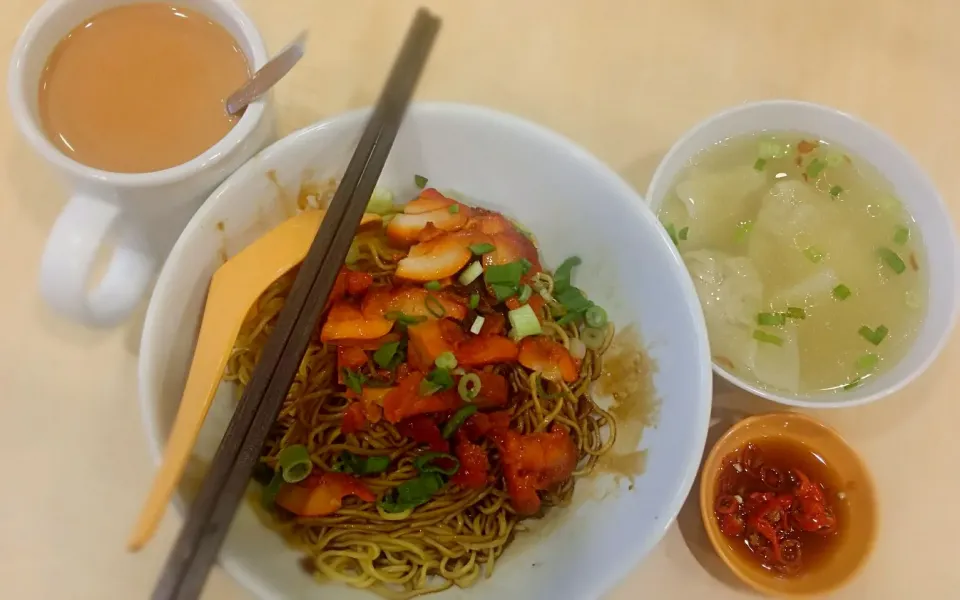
x=411 y=494
x=577 y=348
x=795 y=313
x=474 y=300
x=348 y=462
x=527 y=265
x=469 y=387
x=856 y=382
x=446 y=360
x=271 y=490
x=470 y=274
x=836 y=191
x=771 y=319
x=562 y=276
x=381 y=201
x=479 y=249
x=743 y=230
x=505 y=274
x=502 y=292
x=813 y=254
x=454 y=209
x=769 y=149
x=816 y=167
x=294 y=462
x=902 y=236
x=477 y=325
x=760 y=164
x=874 y=336
x=524 y=322
x=420 y=181
x=459 y=418
x=682 y=234
x=672 y=232
x=841 y=292
x=867 y=362
x=385 y=354
x=437 y=380
x=433 y=286
x=892 y=259
x=595 y=317
x=593 y=338
x=403 y=319
x=426 y=462
x=767 y=338
x=573 y=300
x=353 y=380
x=525 y=292
x=434 y=306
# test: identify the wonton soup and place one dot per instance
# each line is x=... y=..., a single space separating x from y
x=810 y=271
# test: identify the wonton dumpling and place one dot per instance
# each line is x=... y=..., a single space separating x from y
x=719 y=200
x=793 y=212
x=729 y=287
x=730 y=293
x=792 y=219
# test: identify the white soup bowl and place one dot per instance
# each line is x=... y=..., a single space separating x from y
x=910 y=184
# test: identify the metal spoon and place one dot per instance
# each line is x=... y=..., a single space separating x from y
x=267 y=76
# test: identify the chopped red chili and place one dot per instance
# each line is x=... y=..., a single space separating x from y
x=765 y=498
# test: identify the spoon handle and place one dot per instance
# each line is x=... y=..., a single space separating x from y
x=268 y=75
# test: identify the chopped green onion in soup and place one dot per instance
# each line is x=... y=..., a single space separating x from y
x=841 y=292
x=901 y=236
x=892 y=260
x=767 y=338
x=813 y=254
x=786 y=264
x=771 y=319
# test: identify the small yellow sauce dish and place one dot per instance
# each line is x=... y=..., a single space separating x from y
x=846 y=554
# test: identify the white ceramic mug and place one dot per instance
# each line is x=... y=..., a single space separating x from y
x=138 y=214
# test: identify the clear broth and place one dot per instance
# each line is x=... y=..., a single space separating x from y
x=783 y=233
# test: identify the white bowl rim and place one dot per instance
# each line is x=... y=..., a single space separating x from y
x=823 y=400
x=700 y=422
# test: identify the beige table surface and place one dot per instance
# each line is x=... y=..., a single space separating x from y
x=624 y=78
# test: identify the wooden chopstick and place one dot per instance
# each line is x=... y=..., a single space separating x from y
x=210 y=516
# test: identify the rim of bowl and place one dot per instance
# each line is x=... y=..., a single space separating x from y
x=825 y=399
x=694 y=453
x=713 y=531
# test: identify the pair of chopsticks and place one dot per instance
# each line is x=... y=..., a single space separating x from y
x=211 y=514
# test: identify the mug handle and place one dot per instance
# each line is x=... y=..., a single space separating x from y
x=76 y=237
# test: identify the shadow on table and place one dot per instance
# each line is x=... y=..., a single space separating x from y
x=639 y=172
x=729 y=406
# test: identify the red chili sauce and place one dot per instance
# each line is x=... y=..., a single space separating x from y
x=782 y=502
